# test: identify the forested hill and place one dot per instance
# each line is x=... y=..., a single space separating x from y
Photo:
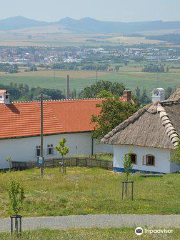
x=20 y=22
x=91 y=25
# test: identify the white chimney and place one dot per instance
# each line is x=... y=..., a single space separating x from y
x=4 y=97
x=158 y=94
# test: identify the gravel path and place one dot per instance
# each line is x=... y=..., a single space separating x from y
x=100 y=221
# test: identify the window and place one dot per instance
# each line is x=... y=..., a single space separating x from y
x=38 y=151
x=133 y=157
x=150 y=160
x=50 y=149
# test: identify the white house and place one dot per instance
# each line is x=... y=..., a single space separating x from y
x=20 y=127
x=150 y=136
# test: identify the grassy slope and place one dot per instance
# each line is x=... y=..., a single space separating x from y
x=91 y=191
x=91 y=234
x=131 y=77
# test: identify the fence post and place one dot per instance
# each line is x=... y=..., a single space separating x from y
x=65 y=168
x=122 y=190
x=132 y=191
x=107 y=165
x=60 y=166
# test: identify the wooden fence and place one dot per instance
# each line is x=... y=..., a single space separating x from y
x=70 y=162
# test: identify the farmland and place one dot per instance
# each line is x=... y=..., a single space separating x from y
x=59 y=37
x=90 y=191
x=131 y=77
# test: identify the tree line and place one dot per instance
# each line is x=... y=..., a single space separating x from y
x=155 y=68
x=100 y=89
x=85 y=66
x=9 y=68
x=22 y=92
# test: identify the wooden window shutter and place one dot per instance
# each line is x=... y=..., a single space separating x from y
x=144 y=162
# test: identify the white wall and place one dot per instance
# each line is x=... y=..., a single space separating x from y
x=162 y=158
x=24 y=149
x=102 y=148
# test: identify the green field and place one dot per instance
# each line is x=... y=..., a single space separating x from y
x=90 y=191
x=59 y=37
x=130 y=76
x=91 y=234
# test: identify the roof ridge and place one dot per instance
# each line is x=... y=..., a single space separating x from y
x=58 y=100
x=169 y=128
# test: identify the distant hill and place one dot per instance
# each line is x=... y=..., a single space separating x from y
x=20 y=22
x=89 y=25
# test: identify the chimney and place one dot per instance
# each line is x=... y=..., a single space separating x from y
x=4 y=97
x=127 y=95
x=68 y=88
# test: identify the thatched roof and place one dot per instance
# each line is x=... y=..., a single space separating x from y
x=175 y=96
x=156 y=125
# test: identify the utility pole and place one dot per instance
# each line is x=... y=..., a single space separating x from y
x=96 y=75
x=54 y=75
x=68 y=95
x=157 y=80
x=42 y=144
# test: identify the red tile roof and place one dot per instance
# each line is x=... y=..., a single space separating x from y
x=23 y=119
x=3 y=91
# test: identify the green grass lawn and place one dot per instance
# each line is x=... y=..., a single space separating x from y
x=90 y=191
x=91 y=234
x=130 y=76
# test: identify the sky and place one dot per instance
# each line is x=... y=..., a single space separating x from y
x=110 y=10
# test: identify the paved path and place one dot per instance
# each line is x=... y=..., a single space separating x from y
x=100 y=221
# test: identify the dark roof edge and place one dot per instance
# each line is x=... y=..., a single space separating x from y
x=45 y=135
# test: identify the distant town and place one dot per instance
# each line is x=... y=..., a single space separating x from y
x=105 y=54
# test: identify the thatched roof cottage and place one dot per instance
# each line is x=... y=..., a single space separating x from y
x=150 y=135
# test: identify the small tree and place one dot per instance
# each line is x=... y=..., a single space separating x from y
x=9 y=160
x=62 y=149
x=175 y=157
x=16 y=196
x=127 y=165
x=128 y=170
